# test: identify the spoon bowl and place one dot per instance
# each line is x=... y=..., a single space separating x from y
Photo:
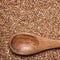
x=24 y=44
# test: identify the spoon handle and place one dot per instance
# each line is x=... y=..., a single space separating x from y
x=45 y=43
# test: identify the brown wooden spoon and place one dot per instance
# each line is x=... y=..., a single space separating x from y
x=27 y=44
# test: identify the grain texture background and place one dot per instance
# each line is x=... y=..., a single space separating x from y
x=40 y=17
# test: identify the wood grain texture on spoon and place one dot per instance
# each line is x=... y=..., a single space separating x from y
x=27 y=44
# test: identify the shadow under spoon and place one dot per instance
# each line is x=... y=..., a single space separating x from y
x=27 y=44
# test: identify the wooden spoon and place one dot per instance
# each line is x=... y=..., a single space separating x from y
x=27 y=44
